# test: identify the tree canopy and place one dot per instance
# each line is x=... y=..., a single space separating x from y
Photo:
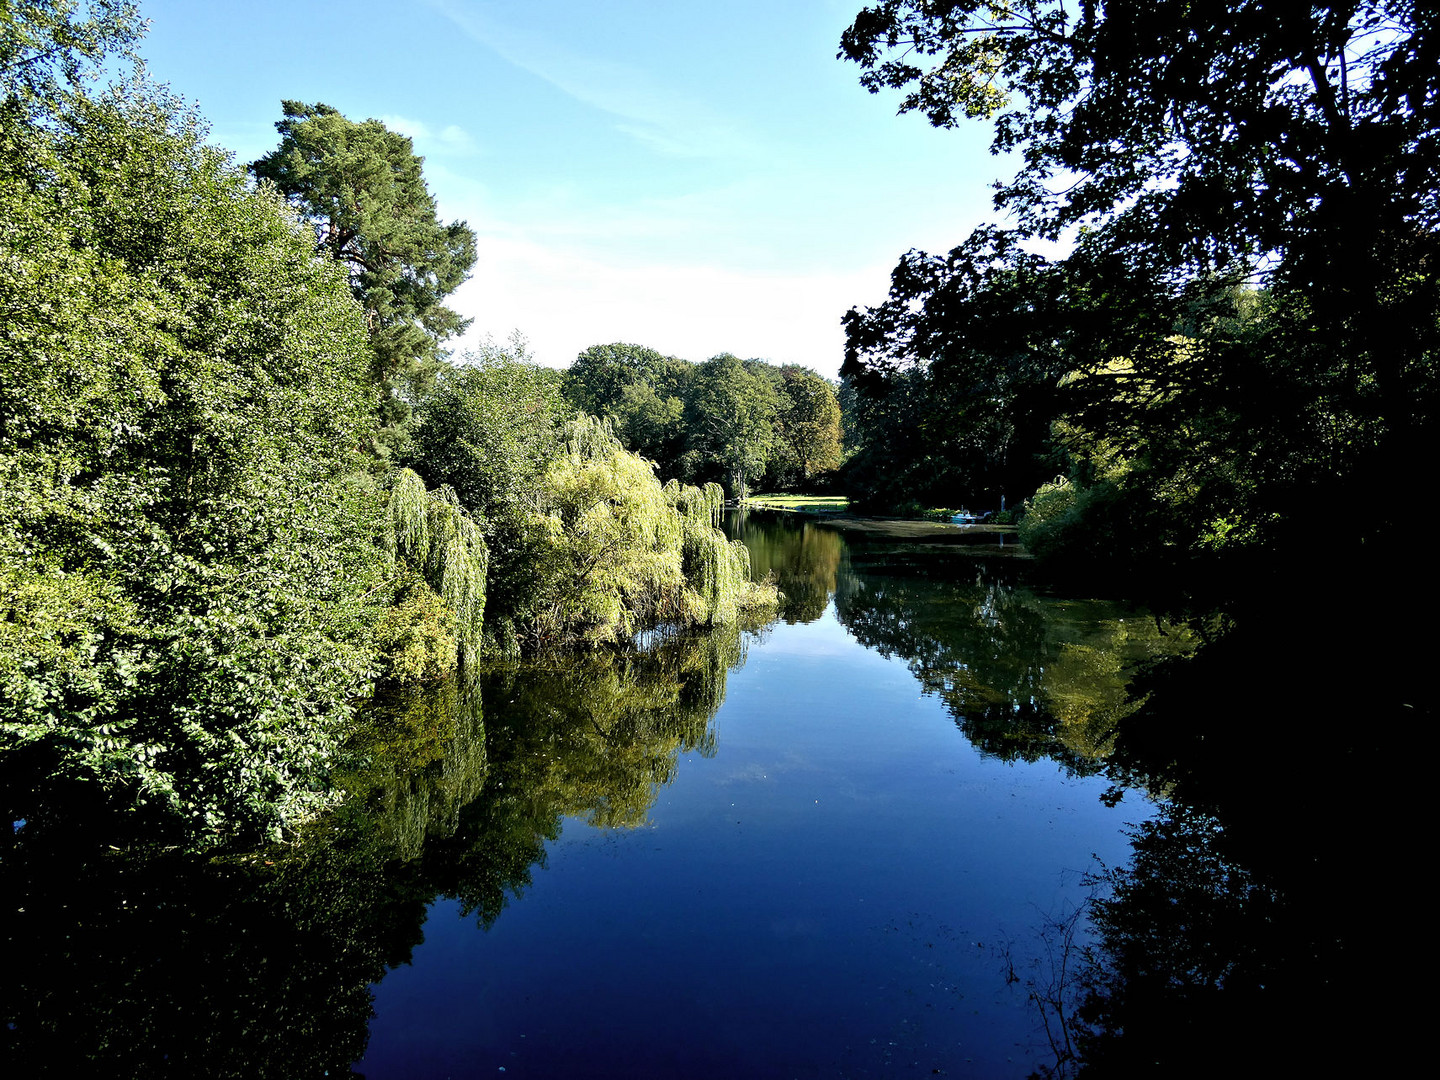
x=1235 y=128
x=808 y=425
x=1244 y=329
x=184 y=543
x=361 y=187
x=49 y=47
x=730 y=418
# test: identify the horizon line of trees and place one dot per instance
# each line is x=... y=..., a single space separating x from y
x=744 y=424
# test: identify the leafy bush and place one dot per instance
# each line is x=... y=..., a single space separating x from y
x=416 y=636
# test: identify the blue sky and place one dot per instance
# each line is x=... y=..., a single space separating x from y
x=696 y=177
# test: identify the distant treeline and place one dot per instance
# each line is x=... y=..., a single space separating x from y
x=745 y=424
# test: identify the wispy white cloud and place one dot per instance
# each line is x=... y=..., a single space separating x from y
x=457 y=139
x=451 y=138
x=658 y=116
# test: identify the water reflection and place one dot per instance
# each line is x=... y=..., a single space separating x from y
x=802 y=556
x=151 y=964
x=262 y=965
x=1025 y=675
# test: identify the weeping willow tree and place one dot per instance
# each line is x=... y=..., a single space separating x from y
x=717 y=570
x=625 y=554
x=700 y=504
x=442 y=597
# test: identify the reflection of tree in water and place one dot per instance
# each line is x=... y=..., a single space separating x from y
x=590 y=738
x=1190 y=945
x=1197 y=965
x=422 y=759
x=1025 y=676
x=1305 y=765
x=1250 y=927
x=803 y=557
x=126 y=965
x=172 y=966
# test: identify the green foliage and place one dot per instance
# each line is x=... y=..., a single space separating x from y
x=1047 y=512
x=726 y=420
x=49 y=46
x=586 y=546
x=951 y=402
x=807 y=430
x=598 y=379
x=730 y=417
x=642 y=392
x=361 y=188
x=456 y=566
x=697 y=505
x=433 y=536
x=185 y=539
x=409 y=507
x=614 y=541
x=620 y=554
x=489 y=431
x=416 y=636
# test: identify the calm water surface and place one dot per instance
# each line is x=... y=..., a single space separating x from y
x=837 y=880
x=836 y=846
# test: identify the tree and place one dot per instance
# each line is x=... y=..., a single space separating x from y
x=1235 y=129
x=807 y=425
x=730 y=421
x=361 y=187
x=600 y=375
x=186 y=543
x=1202 y=148
x=489 y=430
x=642 y=391
x=43 y=39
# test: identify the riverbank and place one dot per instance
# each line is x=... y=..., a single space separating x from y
x=1002 y=538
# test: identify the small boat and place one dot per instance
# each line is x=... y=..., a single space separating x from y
x=965 y=517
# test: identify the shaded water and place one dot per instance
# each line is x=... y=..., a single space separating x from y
x=837 y=846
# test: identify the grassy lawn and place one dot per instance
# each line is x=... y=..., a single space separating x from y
x=814 y=504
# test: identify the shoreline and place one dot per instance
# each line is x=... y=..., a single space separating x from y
x=1002 y=537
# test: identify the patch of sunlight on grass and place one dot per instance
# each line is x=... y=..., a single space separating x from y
x=813 y=504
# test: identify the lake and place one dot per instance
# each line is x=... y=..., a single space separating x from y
x=857 y=842
x=847 y=870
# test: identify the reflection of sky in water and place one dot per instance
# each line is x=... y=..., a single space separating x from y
x=823 y=637
x=826 y=895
